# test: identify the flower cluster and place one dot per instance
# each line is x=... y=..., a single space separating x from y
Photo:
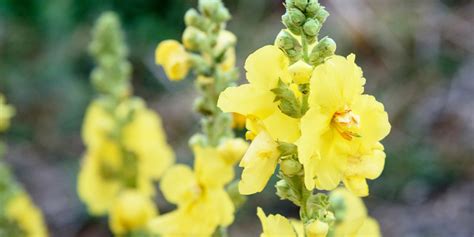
x=126 y=146
x=331 y=128
x=19 y=217
x=306 y=111
x=200 y=195
x=351 y=220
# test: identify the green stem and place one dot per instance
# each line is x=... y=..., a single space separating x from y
x=304 y=43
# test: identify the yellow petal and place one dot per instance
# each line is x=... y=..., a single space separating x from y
x=131 y=211
x=354 y=212
x=165 y=49
x=357 y=185
x=313 y=125
x=174 y=59
x=368 y=164
x=336 y=83
x=373 y=124
x=145 y=137
x=21 y=210
x=300 y=72
x=370 y=227
x=97 y=124
x=212 y=171
x=266 y=66
x=247 y=100
x=275 y=225
x=179 y=185
x=290 y=132
x=259 y=164
x=232 y=150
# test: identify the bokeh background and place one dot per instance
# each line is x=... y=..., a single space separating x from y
x=417 y=57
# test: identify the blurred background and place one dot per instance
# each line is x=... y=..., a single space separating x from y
x=417 y=57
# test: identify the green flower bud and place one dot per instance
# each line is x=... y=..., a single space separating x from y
x=285 y=40
x=197 y=140
x=296 y=16
x=290 y=25
x=193 y=38
x=325 y=48
x=290 y=3
x=301 y=4
x=322 y=15
x=209 y=7
x=311 y=27
x=312 y=8
x=290 y=167
x=222 y=15
x=192 y=17
x=283 y=189
x=329 y=217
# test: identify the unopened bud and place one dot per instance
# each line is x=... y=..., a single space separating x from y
x=317 y=228
x=322 y=15
x=192 y=18
x=312 y=8
x=193 y=38
x=283 y=189
x=296 y=16
x=222 y=14
x=208 y=7
x=285 y=40
x=290 y=3
x=295 y=29
x=290 y=167
x=311 y=27
x=301 y=4
x=329 y=217
x=325 y=48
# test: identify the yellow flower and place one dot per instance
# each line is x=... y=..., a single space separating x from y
x=202 y=203
x=256 y=100
x=174 y=59
x=353 y=220
x=259 y=163
x=131 y=211
x=317 y=228
x=276 y=226
x=6 y=112
x=342 y=126
x=232 y=150
x=23 y=212
x=135 y=159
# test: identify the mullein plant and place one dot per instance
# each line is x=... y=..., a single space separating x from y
x=205 y=196
x=308 y=115
x=19 y=217
x=126 y=148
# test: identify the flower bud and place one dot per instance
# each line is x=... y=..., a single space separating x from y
x=192 y=18
x=193 y=38
x=290 y=167
x=301 y=4
x=322 y=15
x=208 y=7
x=311 y=27
x=290 y=3
x=290 y=25
x=296 y=16
x=312 y=8
x=325 y=48
x=285 y=40
x=222 y=14
x=283 y=189
x=317 y=228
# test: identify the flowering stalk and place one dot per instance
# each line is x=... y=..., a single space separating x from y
x=208 y=51
x=126 y=146
x=19 y=217
x=307 y=113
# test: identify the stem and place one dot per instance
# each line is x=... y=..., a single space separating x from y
x=304 y=43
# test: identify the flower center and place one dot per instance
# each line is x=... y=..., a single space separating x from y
x=344 y=121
